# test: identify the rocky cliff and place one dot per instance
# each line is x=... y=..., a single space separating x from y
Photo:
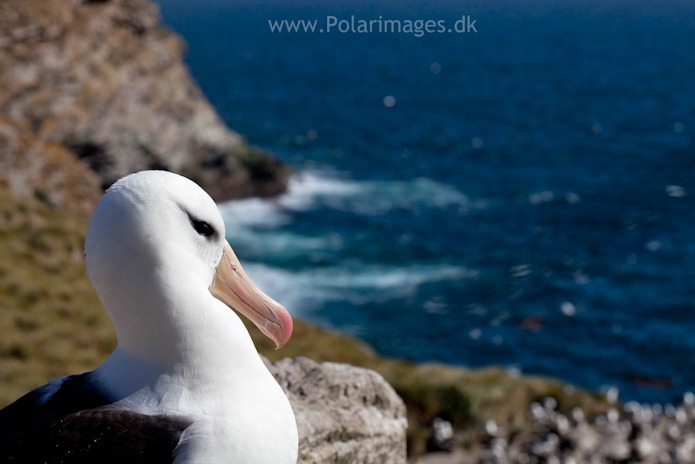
x=102 y=82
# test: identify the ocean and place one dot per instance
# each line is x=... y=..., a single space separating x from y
x=519 y=194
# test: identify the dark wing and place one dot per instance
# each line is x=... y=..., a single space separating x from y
x=72 y=422
x=55 y=399
x=102 y=435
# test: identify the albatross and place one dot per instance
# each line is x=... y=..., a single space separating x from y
x=185 y=383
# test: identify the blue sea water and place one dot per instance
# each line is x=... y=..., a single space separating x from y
x=523 y=195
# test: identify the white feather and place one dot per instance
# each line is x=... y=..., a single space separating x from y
x=180 y=350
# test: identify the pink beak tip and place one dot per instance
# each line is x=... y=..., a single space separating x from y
x=287 y=326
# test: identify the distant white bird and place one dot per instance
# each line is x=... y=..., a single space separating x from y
x=185 y=383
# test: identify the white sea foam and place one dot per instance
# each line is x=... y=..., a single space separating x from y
x=305 y=189
x=282 y=244
x=313 y=189
x=305 y=290
x=256 y=226
x=253 y=213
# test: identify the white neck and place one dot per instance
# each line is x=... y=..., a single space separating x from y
x=180 y=332
x=213 y=375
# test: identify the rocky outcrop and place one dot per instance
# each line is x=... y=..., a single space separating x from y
x=345 y=414
x=107 y=83
x=31 y=167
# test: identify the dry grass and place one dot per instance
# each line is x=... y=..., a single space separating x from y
x=52 y=324
x=51 y=321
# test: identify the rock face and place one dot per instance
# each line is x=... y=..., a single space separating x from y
x=344 y=414
x=36 y=168
x=105 y=81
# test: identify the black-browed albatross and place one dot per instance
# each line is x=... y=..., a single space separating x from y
x=185 y=383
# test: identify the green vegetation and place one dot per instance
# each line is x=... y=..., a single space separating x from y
x=52 y=324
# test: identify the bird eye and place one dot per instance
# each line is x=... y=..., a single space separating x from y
x=202 y=227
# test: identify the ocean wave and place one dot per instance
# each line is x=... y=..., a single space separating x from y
x=305 y=290
x=308 y=190
x=283 y=244
x=257 y=226
x=312 y=190
x=253 y=213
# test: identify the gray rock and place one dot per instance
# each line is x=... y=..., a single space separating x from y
x=345 y=414
x=30 y=167
x=106 y=81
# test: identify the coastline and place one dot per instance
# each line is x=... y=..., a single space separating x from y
x=55 y=326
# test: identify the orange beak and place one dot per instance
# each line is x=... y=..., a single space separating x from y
x=234 y=288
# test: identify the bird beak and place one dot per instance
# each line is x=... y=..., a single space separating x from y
x=234 y=288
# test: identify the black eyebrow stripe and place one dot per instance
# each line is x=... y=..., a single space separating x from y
x=194 y=219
